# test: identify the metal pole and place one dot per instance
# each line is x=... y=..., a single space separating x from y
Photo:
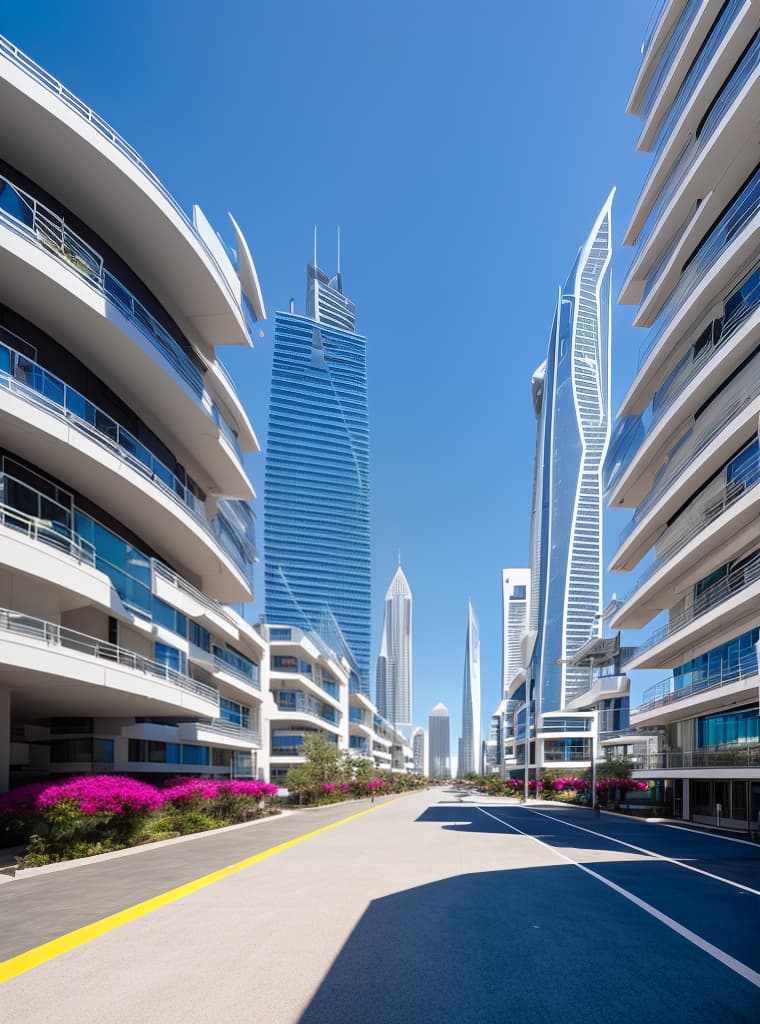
x=594 y=726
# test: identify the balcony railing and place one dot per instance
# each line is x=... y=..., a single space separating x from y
x=48 y=531
x=666 y=60
x=55 y=635
x=654 y=21
x=695 y=145
x=728 y=406
x=26 y=215
x=666 y=692
x=295 y=700
x=732 y=491
x=734 y=583
x=726 y=755
x=237 y=732
x=236 y=668
x=33 y=383
x=741 y=213
x=49 y=82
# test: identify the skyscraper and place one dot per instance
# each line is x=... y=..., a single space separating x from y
x=515 y=597
x=571 y=397
x=393 y=679
x=470 y=755
x=438 y=742
x=316 y=500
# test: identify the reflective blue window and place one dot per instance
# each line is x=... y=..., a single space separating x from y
x=169 y=656
x=195 y=755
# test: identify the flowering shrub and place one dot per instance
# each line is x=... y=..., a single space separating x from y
x=95 y=813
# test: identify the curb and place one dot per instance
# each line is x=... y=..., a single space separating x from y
x=129 y=851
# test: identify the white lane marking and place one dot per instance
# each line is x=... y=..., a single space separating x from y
x=753 y=977
x=712 y=835
x=651 y=853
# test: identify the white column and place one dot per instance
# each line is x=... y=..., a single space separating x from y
x=5 y=739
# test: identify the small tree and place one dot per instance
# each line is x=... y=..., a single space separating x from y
x=322 y=768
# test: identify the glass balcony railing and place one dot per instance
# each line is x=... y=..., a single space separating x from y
x=22 y=211
x=632 y=432
x=696 y=143
x=725 y=407
x=710 y=508
x=48 y=531
x=728 y=755
x=740 y=213
x=31 y=381
x=236 y=732
x=55 y=635
x=295 y=700
x=228 y=661
x=665 y=62
x=666 y=692
x=735 y=582
x=49 y=82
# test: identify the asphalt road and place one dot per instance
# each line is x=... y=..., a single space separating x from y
x=421 y=911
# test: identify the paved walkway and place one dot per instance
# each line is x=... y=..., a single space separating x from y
x=422 y=910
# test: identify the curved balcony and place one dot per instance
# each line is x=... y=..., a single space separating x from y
x=702 y=536
x=725 y=253
x=723 y=610
x=51 y=426
x=667 y=58
x=687 y=133
x=131 y=371
x=295 y=703
x=713 y=356
x=729 y=422
x=73 y=153
x=708 y=690
x=74 y=673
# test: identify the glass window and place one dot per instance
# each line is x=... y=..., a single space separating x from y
x=169 y=656
x=200 y=637
x=194 y=755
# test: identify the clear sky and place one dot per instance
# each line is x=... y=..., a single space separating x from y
x=465 y=150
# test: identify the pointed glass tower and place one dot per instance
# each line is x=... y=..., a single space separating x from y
x=471 y=728
x=316 y=498
x=393 y=681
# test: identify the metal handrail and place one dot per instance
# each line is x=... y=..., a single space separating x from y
x=688 y=451
x=708 y=250
x=182 y=584
x=55 y=635
x=223 y=665
x=50 y=532
x=61 y=397
x=732 y=491
x=225 y=728
x=54 y=86
x=724 y=755
x=304 y=704
x=695 y=144
x=734 y=583
x=665 y=691
x=666 y=60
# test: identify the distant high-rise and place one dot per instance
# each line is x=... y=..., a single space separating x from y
x=316 y=498
x=438 y=742
x=418 y=750
x=393 y=680
x=471 y=729
x=515 y=597
x=571 y=396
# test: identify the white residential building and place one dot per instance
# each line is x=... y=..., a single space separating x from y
x=125 y=530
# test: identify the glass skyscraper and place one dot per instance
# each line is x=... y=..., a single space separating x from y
x=470 y=752
x=571 y=395
x=316 y=498
x=393 y=677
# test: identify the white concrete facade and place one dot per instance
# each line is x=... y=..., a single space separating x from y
x=125 y=528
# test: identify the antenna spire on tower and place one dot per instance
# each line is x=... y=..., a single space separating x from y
x=315 y=245
x=339 y=248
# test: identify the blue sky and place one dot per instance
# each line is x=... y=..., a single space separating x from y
x=465 y=150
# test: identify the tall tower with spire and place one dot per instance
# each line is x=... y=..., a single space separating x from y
x=393 y=681
x=470 y=753
x=316 y=498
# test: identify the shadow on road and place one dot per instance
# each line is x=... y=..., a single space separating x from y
x=531 y=945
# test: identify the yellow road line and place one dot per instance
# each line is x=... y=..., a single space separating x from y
x=17 y=965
